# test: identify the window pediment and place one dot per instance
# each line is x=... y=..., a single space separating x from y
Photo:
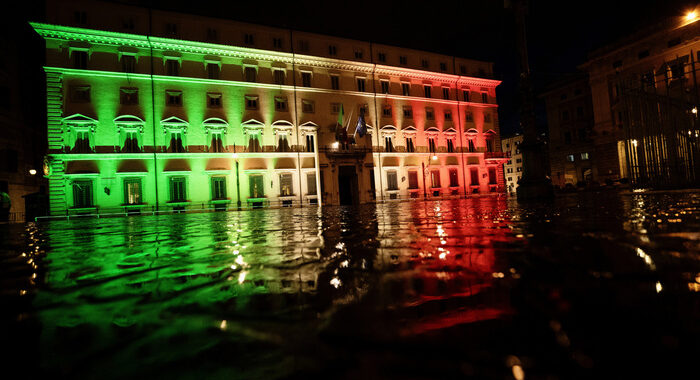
x=129 y=122
x=174 y=123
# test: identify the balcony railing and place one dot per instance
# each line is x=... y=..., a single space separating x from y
x=488 y=155
x=349 y=150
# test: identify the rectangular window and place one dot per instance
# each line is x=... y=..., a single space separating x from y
x=173 y=97
x=358 y=54
x=567 y=137
x=484 y=97
x=426 y=90
x=403 y=60
x=248 y=39
x=178 y=192
x=277 y=43
x=280 y=104
x=492 y=176
x=254 y=143
x=257 y=190
x=82 y=193
x=80 y=17
x=385 y=86
x=335 y=108
x=335 y=82
x=429 y=113
x=406 y=89
x=282 y=143
x=307 y=106
x=128 y=63
x=332 y=50
x=443 y=66
x=388 y=144
x=409 y=145
x=565 y=115
x=176 y=145
x=412 y=179
x=462 y=69
x=172 y=67
x=361 y=84
x=303 y=45
x=212 y=35
x=128 y=96
x=311 y=183
x=472 y=146
x=424 y=63
x=448 y=115
x=408 y=112
x=251 y=102
x=450 y=146
x=381 y=57
x=250 y=73
x=487 y=117
x=80 y=94
x=80 y=59
x=217 y=143
x=584 y=155
x=306 y=79
x=454 y=178
x=392 y=182
x=465 y=95
x=131 y=143
x=213 y=100
x=474 y=176
x=570 y=158
x=218 y=187
x=435 y=179
x=278 y=76
x=170 y=29
x=310 y=143
x=132 y=191
x=386 y=111
x=212 y=70
x=82 y=142
x=446 y=93
x=432 y=147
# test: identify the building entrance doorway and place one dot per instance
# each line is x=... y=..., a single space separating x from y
x=347 y=186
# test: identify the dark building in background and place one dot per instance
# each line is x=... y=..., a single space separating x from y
x=570 y=120
x=23 y=137
x=645 y=102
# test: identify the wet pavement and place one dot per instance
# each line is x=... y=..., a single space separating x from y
x=593 y=285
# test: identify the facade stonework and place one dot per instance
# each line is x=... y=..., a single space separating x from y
x=204 y=113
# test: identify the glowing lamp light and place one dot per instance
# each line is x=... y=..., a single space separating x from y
x=434 y=158
x=234 y=156
x=694 y=110
x=335 y=145
x=634 y=142
x=32 y=171
x=691 y=16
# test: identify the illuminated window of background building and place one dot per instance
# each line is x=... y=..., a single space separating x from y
x=408 y=112
x=412 y=179
x=518 y=160
x=286 y=185
x=307 y=106
x=446 y=93
x=570 y=157
x=454 y=178
x=386 y=111
x=427 y=89
x=306 y=78
x=82 y=193
x=431 y=145
x=213 y=70
x=128 y=63
x=409 y=145
x=279 y=76
x=385 y=86
x=173 y=98
x=251 y=102
x=178 y=189
x=218 y=187
x=405 y=89
x=80 y=94
x=392 y=182
x=250 y=73
x=280 y=104
x=335 y=82
x=361 y=84
x=217 y=144
x=213 y=100
x=128 y=96
x=435 y=179
x=388 y=144
x=256 y=187
x=429 y=113
x=584 y=155
x=132 y=191
x=311 y=183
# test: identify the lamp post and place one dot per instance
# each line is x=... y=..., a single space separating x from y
x=238 y=183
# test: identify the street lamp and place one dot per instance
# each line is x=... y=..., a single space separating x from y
x=32 y=171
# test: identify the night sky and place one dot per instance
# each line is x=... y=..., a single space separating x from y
x=561 y=33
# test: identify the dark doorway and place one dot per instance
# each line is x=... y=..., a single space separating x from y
x=347 y=185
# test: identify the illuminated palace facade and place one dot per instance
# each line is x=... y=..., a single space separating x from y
x=157 y=110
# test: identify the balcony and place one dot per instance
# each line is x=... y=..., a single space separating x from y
x=349 y=151
x=497 y=156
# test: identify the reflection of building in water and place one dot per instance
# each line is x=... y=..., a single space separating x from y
x=645 y=100
x=171 y=114
x=444 y=272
